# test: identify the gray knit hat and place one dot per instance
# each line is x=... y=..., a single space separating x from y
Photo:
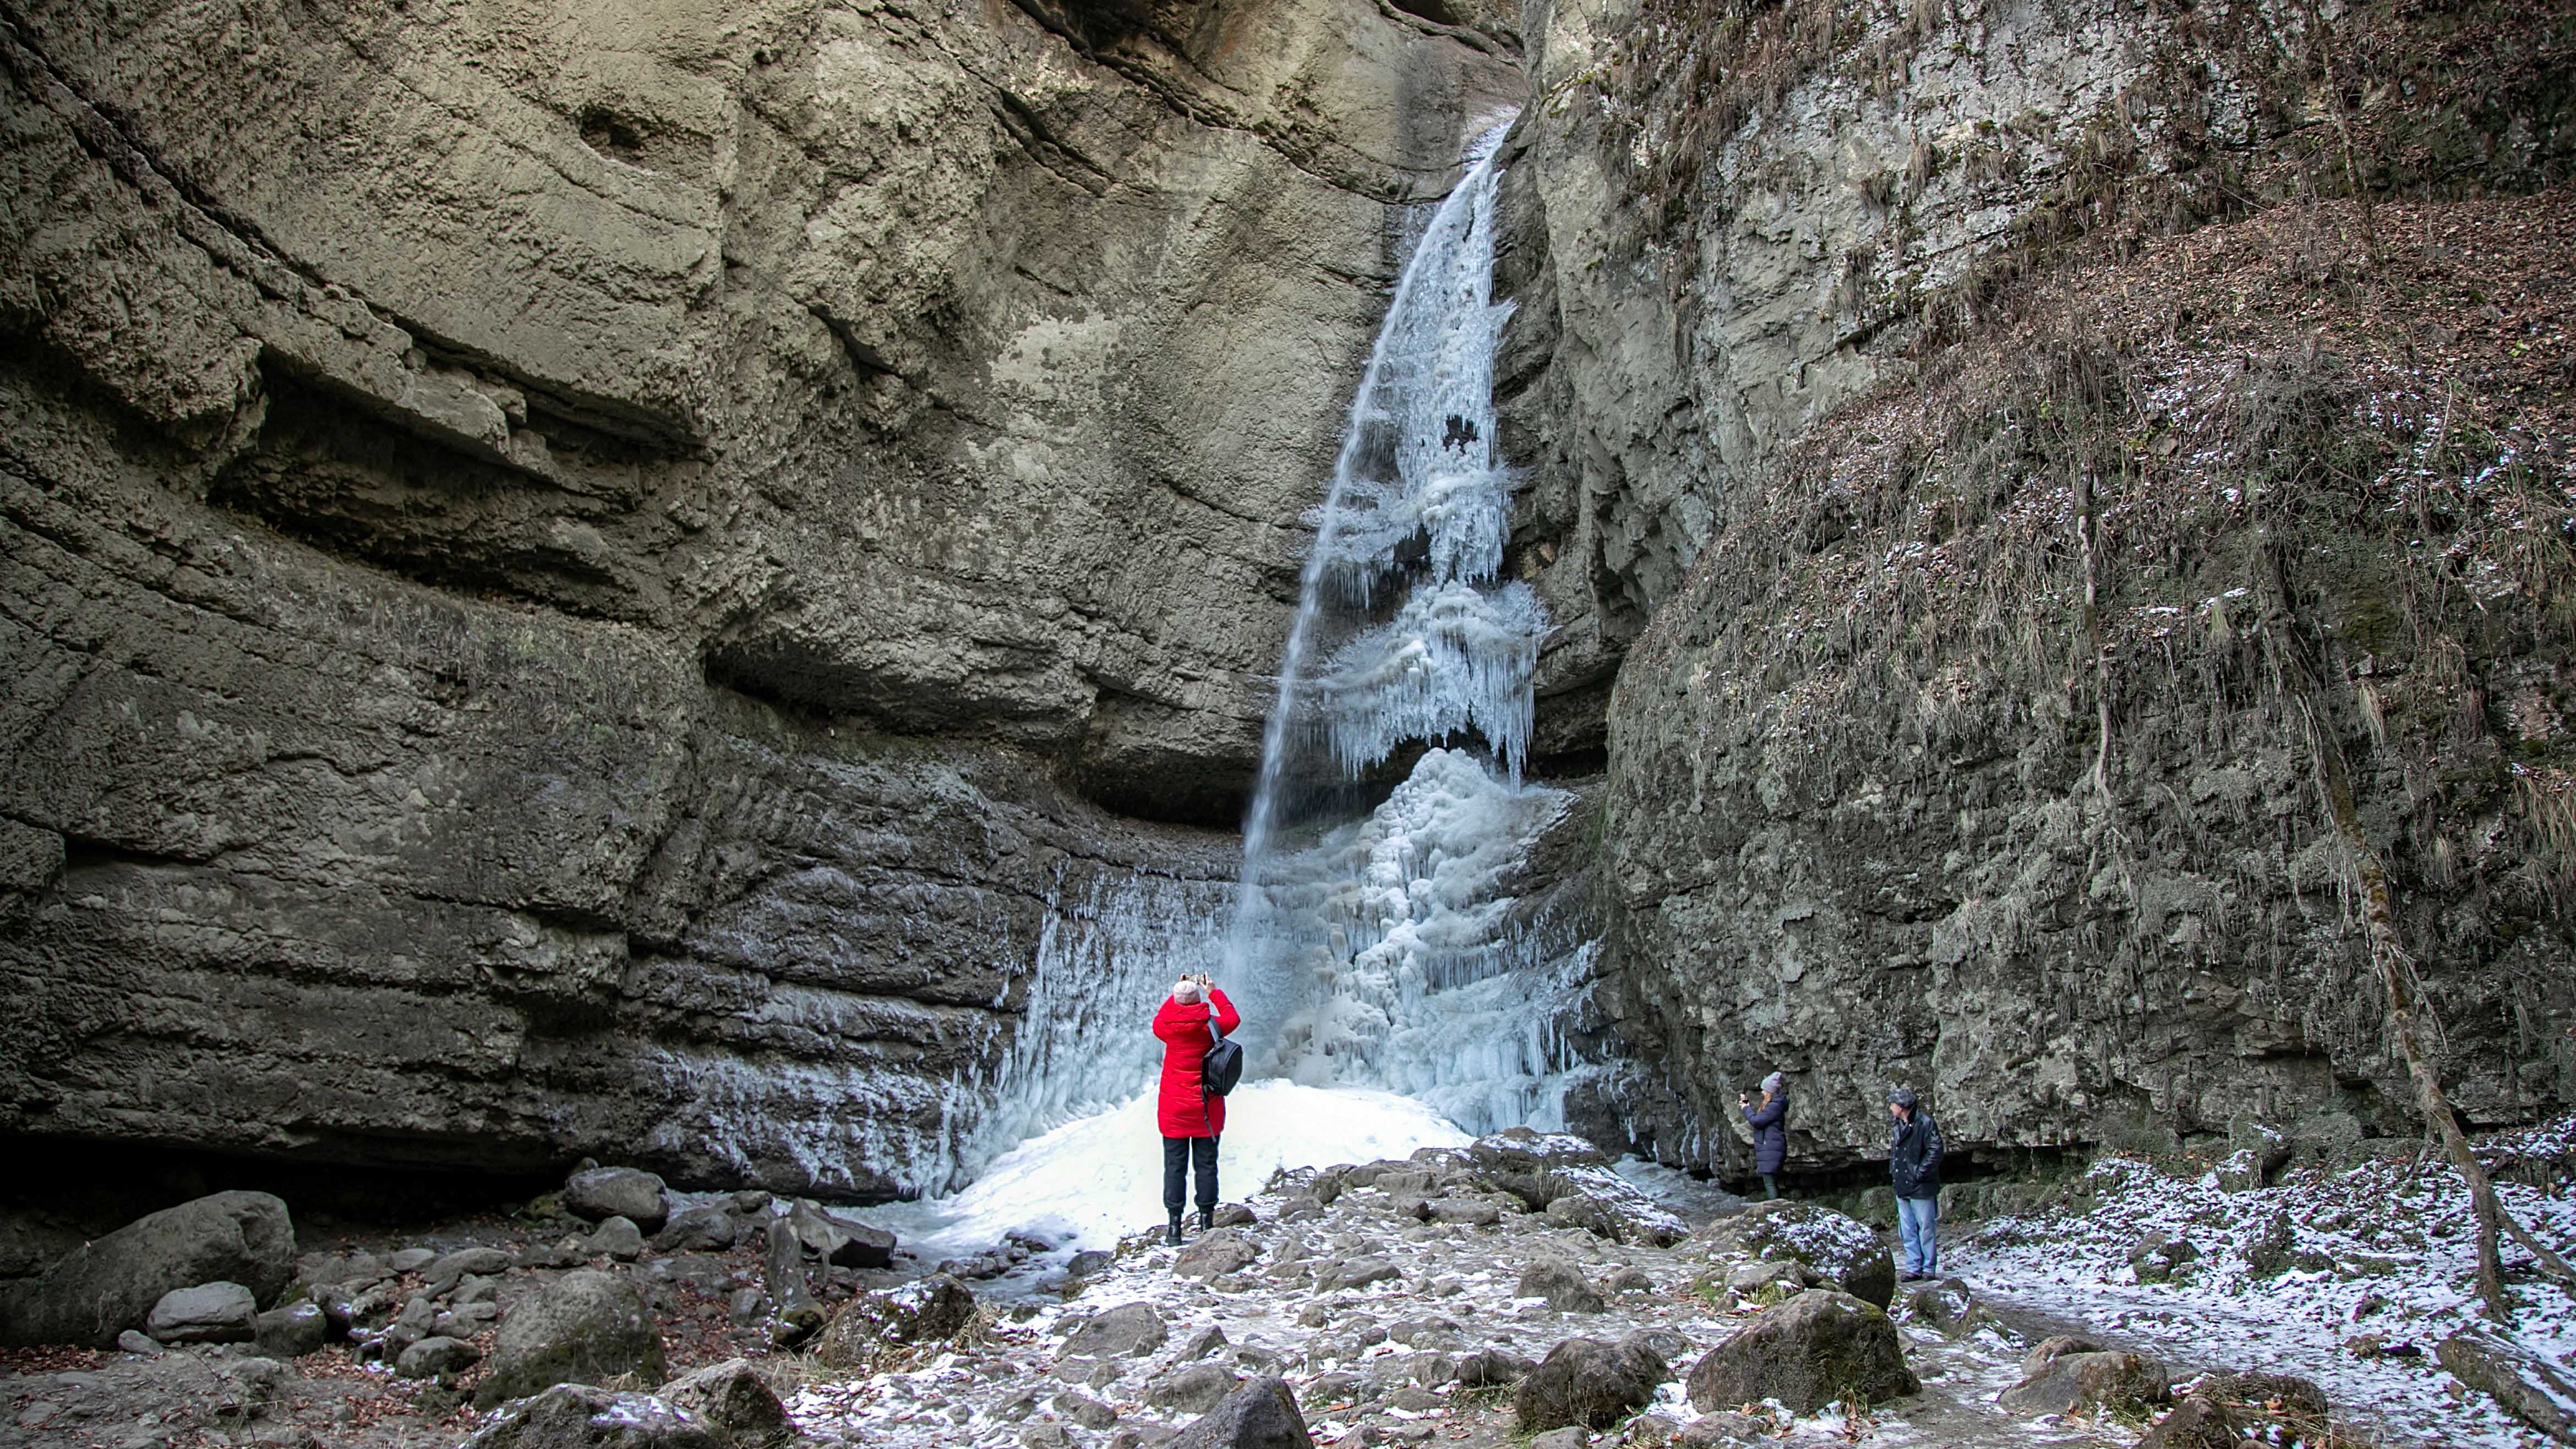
x=1772 y=1084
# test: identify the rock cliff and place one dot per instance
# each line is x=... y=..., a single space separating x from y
x=1979 y=452
x=584 y=575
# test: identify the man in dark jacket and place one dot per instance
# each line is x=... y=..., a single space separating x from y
x=1914 y=1161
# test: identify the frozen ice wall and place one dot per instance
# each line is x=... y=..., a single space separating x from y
x=1390 y=946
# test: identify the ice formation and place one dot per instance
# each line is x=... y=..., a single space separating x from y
x=1393 y=942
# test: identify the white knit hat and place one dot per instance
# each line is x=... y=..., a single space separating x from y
x=1187 y=992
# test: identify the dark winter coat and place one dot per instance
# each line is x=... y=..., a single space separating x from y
x=1770 y=1133
x=1181 y=1109
x=1914 y=1156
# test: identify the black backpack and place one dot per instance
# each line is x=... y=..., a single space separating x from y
x=1222 y=1067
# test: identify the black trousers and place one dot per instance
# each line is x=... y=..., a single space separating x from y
x=1178 y=1155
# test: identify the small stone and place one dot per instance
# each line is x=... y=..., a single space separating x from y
x=434 y=1356
x=747 y=1306
x=207 y=1313
x=707 y=1228
x=1202 y=1343
x=1630 y=1280
x=734 y=1397
x=1262 y=1414
x=292 y=1331
x=1085 y=1410
x=1194 y=1390
x=1221 y=1250
x=448 y=1270
x=2195 y=1423
x=1356 y=1273
x=2122 y=1382
x=1568 y=1437
x=1464 y=1212
x=132 y=1341
x=1492 y=1367
x=577 y=1416
x=1128 y=1330
x=412 y=1260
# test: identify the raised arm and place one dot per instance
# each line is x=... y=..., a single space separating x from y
x=1227 y=1018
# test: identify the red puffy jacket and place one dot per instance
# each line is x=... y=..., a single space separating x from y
x=1179 y=1108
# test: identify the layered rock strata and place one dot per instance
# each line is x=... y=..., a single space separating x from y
x=580 y=577
x=1971 y=465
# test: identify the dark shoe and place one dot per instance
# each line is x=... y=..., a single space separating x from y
x=1172 y=1234
x=1207 y=1219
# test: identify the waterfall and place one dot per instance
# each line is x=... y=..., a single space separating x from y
x=1382 y=948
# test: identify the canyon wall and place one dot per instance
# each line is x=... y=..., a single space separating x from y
x=608 y=578
x=1983 y=468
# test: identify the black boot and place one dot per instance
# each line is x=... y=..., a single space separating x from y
x=1172 y=1235
x=1207 y=1219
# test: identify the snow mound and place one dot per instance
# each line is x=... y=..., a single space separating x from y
x=1088 y=1182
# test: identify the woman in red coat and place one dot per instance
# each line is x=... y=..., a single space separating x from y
x=1190 y=1119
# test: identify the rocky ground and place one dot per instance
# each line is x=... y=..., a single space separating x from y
x=1516 y=1291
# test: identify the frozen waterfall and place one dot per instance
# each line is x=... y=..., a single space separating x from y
x=1387 y=948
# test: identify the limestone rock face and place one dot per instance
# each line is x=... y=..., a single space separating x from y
x=1858 y=825
x=548 y=556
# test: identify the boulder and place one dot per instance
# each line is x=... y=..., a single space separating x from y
x=1488 y=1368
x=1127 y=1331
x=435 y=1355
x=2529 y=1389
x=1568 y=1437
x=2195 y=1423
x=2278 y=1395
x=1841 y=1250
x=618 y=1192
x=733 y=1398
x=1222 y=1250
x=1817 y=1348
x=1561 y=1284
x=2119 y=1381
x=207 y=1313
x=928 y=1310
x=577 y=1416
x=1194 y=1389
x=1262 y=1414
x=586 y=1326
x=839 y=1241
x=292 y=1331
x=92 y=1294
x=707 y=1228
x=1587 y=1382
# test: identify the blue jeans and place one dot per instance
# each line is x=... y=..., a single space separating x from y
x=1915 y=1217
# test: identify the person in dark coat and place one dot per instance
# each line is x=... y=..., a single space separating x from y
x=1914 y=1162
x=1189 y=1118
x=1770 y=1124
